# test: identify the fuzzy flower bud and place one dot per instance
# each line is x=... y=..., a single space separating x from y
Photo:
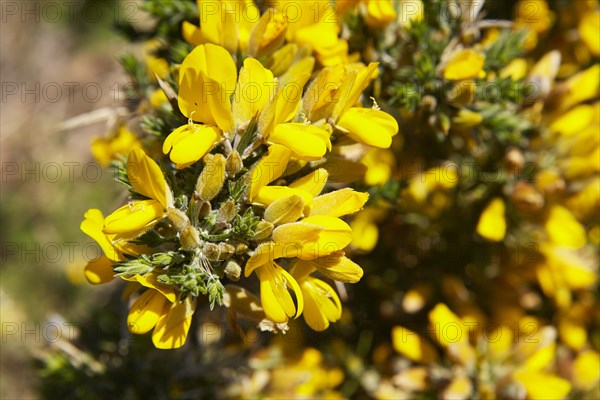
x=178 y=218
x=234 y=163
x=190 y=238
x=233 y=270
x=212 y=177
x=227 y=211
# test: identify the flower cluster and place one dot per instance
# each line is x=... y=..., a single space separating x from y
x=243 y=189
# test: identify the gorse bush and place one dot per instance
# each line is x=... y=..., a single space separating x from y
x=441 y=157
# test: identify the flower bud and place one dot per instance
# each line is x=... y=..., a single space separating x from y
x=211 y=251
x=240 y=248
x=225 y=251
x=263 y=230
x=234 y=163
x=287 y=209
x=233 y=270
x=212 y=177
x=190 y=238
x=178 y=218
x=227 y=212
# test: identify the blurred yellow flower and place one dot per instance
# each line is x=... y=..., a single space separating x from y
x=464 y=64
x=492 y=222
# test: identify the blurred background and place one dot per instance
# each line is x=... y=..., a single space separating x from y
x=61 y=83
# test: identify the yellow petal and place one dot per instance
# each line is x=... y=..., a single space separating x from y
x=380 y=13
x=365 y=232
x=147 y=178
x=589 y=30
x=340 y=269
x=542 y=385
x=465 y=64
x=411 y=345
x=369 y=126
x=492 y=222
x=134 y=218
x=189 y=143
x=307 y=142
x=324 y=93
x=321 y=304
x=92 y=225
x=151 y=281
x=173 y=326
x=515 y=70
x=255 y=87
x=145 y=312
x=268 y=34
x=269 y=168
x=448 y=327
x=312 y=183
x=355 y=83
x=563 y=229
x=581 y=87
x=586 y=373
x=269 y=194
x=285 y=210
x=99 y=270
x=572 y=334
x=284 y=105
x=333 y=235
x=264 y=254
x=275 y=298
x=340 y=202
x=207 y=78
x=573 y=121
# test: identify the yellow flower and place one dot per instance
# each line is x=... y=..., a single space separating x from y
x=534 y=14
x=321 y=303
x=542 y=385
x=335 y=266
x=515 y=70
x=334 y=95
x=589 y=30
x=563 y=229
x=586 y=373
x=137 y=217
x=174 y=324
x=581 y=87
x=274 y=296
x=368 y=126
x=269 y=168
x=413 y=346
x=464 y=64
x=207 y=78
x=492 y=222
x=226 y=23
x=189 y=143
x=268 y=35
x=99 y=270
x=106 y=149
x=253 y=91
x=365 y=231
x=380 y=13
